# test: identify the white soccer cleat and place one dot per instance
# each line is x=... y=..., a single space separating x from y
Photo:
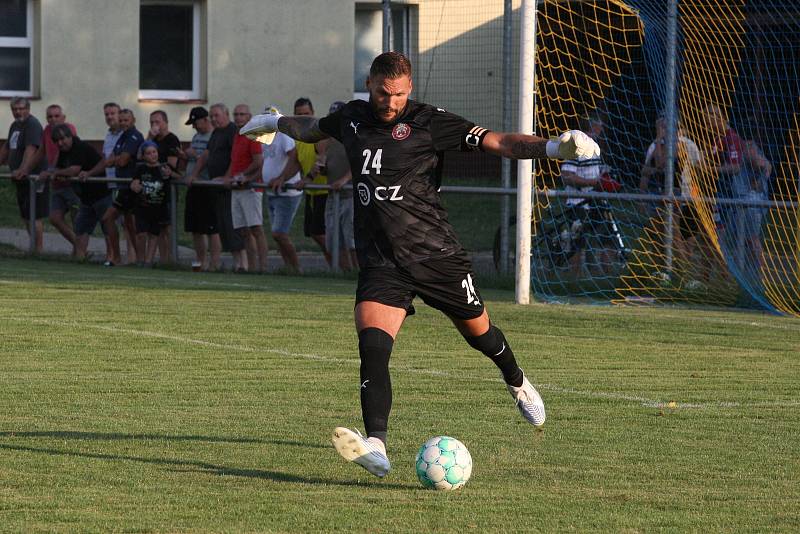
x=369 y=453
x=529 y=402
x=262 y=128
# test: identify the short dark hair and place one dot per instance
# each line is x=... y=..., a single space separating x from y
x=110 y=105
x=390 y=65
x=60 y=131
x=304 y=101
x=162 y=113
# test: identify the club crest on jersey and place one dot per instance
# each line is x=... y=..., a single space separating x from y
x=401 y=131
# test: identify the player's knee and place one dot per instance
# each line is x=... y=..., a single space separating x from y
x=375 y=345
x=490 y=343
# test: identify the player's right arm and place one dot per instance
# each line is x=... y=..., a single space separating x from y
x=262 y=128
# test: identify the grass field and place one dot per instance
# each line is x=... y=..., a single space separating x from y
x=165 y=401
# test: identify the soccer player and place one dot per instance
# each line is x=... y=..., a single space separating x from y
x=405 y=245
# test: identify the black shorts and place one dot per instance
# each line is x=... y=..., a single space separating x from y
x=314 y=215
x=231 y=240
x=124 y=200
x=24 y=200
x=200 y=216
x=447 y=284
x=152 y=219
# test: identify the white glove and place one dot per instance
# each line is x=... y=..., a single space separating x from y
x=262 y=127
x=573 y=144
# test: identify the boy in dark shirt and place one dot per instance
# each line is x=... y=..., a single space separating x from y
x=151 y=184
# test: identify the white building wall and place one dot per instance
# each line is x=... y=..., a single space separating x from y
x=258 y=52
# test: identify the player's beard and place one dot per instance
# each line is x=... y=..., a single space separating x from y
x=385 y=114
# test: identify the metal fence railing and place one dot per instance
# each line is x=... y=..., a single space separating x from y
x=335 y=196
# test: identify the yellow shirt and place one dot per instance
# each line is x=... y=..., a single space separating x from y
x=307 y=155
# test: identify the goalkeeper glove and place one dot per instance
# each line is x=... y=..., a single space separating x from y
x=573 y=144
x=262 y=128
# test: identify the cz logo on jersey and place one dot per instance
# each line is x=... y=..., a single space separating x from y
x=401 y=131
x=382 y=192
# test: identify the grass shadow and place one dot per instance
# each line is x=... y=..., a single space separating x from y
x=192 y=466
x=112 y=436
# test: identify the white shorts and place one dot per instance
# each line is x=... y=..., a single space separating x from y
x=345 y=223
x=246 y=208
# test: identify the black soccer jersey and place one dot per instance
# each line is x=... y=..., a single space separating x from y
x=399 y=217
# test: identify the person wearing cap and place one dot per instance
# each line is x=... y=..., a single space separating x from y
x=200 y=216
x=308 y=156
x=281 y=172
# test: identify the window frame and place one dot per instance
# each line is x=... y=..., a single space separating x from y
x=197 y=56
x=406 y=34
x=23 y=42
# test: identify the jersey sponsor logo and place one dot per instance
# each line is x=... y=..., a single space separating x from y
x=401 y=131
x=474 y=137
x=363 y=193
x=389 y=193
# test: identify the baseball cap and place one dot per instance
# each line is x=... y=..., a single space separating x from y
x=198 y=112
x=336 y=106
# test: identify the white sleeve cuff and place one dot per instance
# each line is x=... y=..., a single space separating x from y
x=552 y=148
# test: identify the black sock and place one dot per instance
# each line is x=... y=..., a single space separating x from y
x=374 y=348
x=493 y=344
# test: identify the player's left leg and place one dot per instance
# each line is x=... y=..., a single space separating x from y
x=448 y=284
x=485 y=337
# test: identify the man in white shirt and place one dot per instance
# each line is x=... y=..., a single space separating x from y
x=281 y=171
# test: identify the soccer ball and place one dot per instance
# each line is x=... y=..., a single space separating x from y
x=443 y=463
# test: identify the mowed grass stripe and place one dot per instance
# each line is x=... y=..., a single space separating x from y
x=138 y=432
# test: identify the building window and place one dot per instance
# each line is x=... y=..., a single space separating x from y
x=369 y=40
x=170 y=56
x=16 y=48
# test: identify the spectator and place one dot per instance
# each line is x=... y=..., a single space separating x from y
x=123 y=159
x=314 y=213
x=216 y=160
x=584 y=175
x=246 y=203
x=652 y=181
x=75 y=156
x=62 y=196
x=281 y=173
x=150 y=183
x=726 y=157
x=757 y=171
x=20 y=151
x=111 y=113
x=169 y=148
x=200 y=216
x=338 y=176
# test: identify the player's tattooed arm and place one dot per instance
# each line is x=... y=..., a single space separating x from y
x=515 y=145
x=302 y=128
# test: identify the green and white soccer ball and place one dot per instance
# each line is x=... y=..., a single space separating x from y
x=443 y=463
